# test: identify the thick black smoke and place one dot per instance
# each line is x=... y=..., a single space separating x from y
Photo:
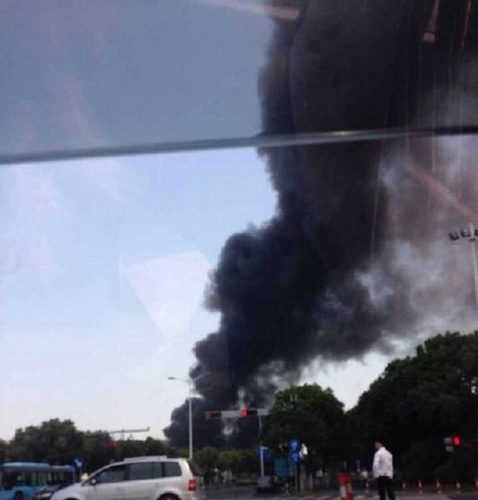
x=291 y=291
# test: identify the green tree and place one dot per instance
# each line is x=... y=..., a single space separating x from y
x=130 y=448
x=246 y=462
x=208 y=460
x=312 y=415
x=421 y=459
x=155 y=447
x=228 y=460
x=4 y=450
x=420 y=400
x=96 y=452
x=54 y=441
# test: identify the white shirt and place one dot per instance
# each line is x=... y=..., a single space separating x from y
x=383 y=463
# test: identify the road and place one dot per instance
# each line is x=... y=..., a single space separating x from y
x=241 y=492
x=247 y=492
x=236 y=493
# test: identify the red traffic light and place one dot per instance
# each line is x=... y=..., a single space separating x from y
x=456 y=440
x=244 y=413
x=112 y=445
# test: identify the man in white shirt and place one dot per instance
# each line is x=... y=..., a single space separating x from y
x=383 y=471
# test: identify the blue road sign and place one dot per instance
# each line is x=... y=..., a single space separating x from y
x=295 y=456
x=78 y=463
x=294 y=445
x=266 y=453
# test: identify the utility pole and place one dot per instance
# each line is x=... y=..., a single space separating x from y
x=470 y=234
x=190 y=383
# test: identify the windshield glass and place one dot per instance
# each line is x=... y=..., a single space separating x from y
x=81 y=86
x=243 y=233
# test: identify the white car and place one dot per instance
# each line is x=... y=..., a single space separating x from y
x=142 y=478
x=267 y=483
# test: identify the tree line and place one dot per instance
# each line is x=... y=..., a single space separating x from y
x=416 y=403
x=60 y=442
x=413 y=405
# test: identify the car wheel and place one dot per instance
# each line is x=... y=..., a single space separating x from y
x=169 y=497
x=18 y=495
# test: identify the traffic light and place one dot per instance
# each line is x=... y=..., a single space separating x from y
x=248 y=413
x=213 y=414
x=451 y=443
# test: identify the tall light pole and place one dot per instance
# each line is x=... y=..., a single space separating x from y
x=470 y=234
x=190 y=383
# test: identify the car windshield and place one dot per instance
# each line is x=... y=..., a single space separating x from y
x=241 y=233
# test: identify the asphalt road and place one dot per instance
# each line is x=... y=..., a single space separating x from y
x=241 y=492
x=237 y=492
x=249 y=493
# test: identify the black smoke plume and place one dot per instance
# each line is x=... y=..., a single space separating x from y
x=294 y=290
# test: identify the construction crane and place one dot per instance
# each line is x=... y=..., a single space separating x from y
x=123 y=432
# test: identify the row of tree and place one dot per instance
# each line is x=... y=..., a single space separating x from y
x=412 y=407
x=237 y=462
x=60 y=442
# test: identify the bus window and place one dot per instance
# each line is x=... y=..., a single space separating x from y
x=12 y=479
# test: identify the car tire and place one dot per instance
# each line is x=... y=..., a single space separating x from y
x=168 y=496
x=18 y=495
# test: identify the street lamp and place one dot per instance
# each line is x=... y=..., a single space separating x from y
x=190 y=383
x=471 y=234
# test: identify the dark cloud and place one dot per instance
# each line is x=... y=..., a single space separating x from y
x=323 y=277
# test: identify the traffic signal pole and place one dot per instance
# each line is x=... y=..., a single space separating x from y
x=261 y=453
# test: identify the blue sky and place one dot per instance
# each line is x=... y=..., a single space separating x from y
x=103 y=263
x=93 y=256
x=103 y=267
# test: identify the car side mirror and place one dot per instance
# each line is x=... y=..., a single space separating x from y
x=94 y=481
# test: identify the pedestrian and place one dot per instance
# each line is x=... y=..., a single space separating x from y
x=364 y=478
x=383 y=471
x=320 y=478
x=285 y=487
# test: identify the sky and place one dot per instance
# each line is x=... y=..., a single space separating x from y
x=103 y=267
x=104 y=262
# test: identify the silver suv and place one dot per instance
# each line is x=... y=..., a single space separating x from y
x=142 y=478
